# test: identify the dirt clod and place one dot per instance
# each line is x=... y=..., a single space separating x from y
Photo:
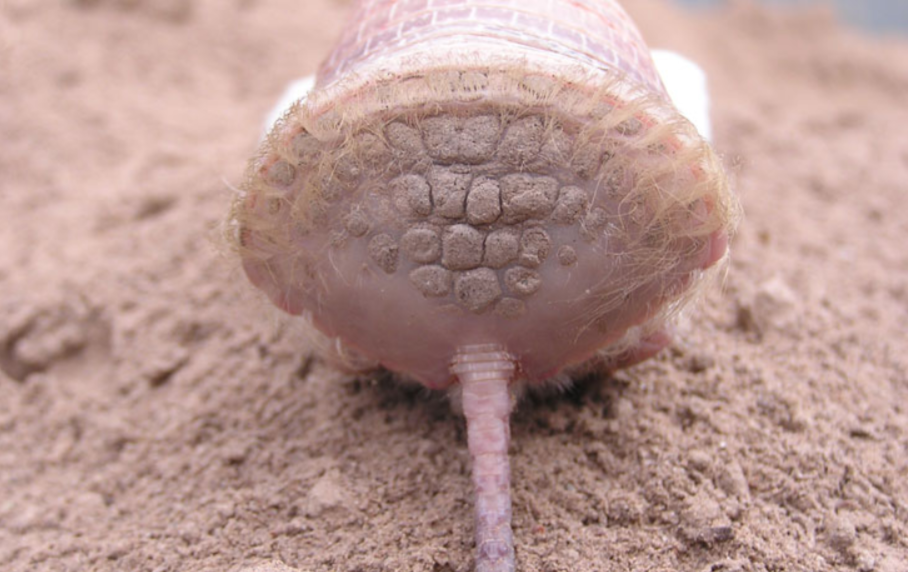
x=452 y=139
x=501 y=248
x=384 y=252
x=525 y=196
x=411 y=195
x=535 y=246
x=477 y=289
x=567 y=256
x=522 y=281
x=432 y=281
x=571 y=205
x=522 y=141
x=407 y=142
x=421 y=244
x=449 y=191
x=357 y=222
x=461 y=247
x=484 y=201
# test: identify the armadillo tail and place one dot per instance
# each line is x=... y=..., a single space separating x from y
x=485 y=372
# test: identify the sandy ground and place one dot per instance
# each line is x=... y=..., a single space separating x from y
x=156 y=414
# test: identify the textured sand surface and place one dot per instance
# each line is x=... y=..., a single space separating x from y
x=156 y=414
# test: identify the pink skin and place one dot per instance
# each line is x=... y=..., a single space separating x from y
x=261 y=275
x=581 y=308
x=662 y=338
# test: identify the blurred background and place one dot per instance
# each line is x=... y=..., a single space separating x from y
x=886 y=16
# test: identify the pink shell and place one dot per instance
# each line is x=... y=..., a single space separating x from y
x=596 y=33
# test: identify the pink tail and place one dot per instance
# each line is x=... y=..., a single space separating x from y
x=485 y=373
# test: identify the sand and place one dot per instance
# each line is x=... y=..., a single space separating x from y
x=157 y=414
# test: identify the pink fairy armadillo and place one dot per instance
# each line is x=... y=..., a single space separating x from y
x=485 y=195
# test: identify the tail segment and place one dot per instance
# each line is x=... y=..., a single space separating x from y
x=485 y=371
